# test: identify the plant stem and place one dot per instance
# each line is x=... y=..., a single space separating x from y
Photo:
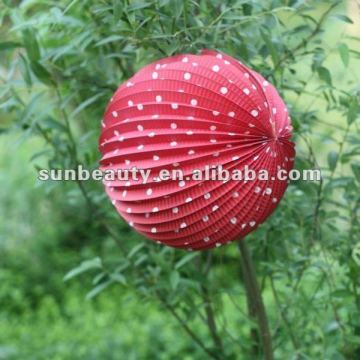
x=255 y=301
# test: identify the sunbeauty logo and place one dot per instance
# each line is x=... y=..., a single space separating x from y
x=208 y=173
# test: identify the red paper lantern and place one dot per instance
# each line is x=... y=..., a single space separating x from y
x=186 y=112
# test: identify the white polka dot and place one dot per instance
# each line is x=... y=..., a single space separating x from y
x=140 y=127
x=153 y=230
x=173 y=126
x=247 y=75
x=174 y=106
x=195 y=64
x=216 y=154
x=183 y=225
x=251 y=125
x=218 y=244
x=231 y=134
x=155 y=158
x=274 y=111
x=215 y=113
x=151 y=134
x=216 y=68
x=140 y=147
x=128 y=210
x=155 y=75
x=256 y=157
x=212 y=127
x=182 y=183
x=235 y=194
x=130 y=103
x=116 y=133
x=113 y=202
x=155 y=209
x=189 y=199
x=140 y=106
x=158 y=66
x=206 y=238
x=191 y=152
x=149 y=192
x=252 y=223
x=219 y=56
x=265 y=83
x=124 y=193
x=193 y=102
x=274 y=200
x=257 y=189
x=185 y=59
x=173 y=143
x=114 y=114
x=268 y=191
x=254 y=113
x=205 y=218
x=207 y=196
x=128 y=183
x=224 y=90
x=243 y=226
x=175 y=210
x=187 y=76
x=158 y=98
x=189 y=132
x=246 y=91
x=155 y=116
x=231 y=114
x=215 y=207
x=233 y=220
x=213 y=141
x=227 y=62
x=127 y=162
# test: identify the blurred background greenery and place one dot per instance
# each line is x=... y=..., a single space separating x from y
x=60 y=61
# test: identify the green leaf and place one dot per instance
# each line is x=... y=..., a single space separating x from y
x=86 y=103
x=353 y=339
x=137 y=5
x=9 y=45
x=109 y=39
x=185 y=260
x=117 y=10
x=356 y=254
x=343 y=18
x=174 y=279
x=135 y=249
x=332 y=159
x=41 y=73
x=51 y=123
x=83 y=267
x=344 y=53
x=31 y=45
x=356 y=170
x=270 y=46
x=98 y=289
x=324 y=75
x=118 y=278
x=354 y=109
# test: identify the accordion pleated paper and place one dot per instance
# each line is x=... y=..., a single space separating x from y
x=187 y=112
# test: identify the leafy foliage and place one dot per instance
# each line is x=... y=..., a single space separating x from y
x=60 y=63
